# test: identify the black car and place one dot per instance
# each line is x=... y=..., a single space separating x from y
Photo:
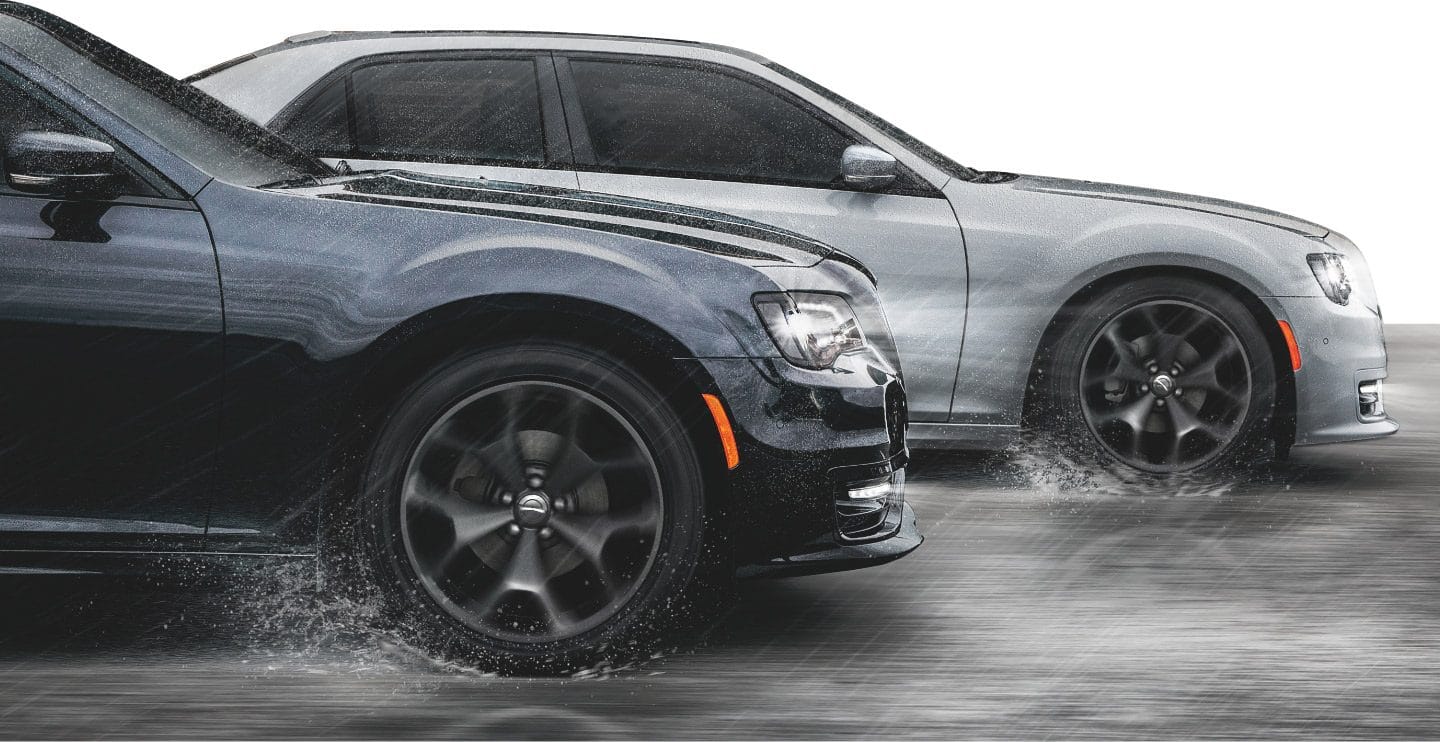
x=532 y=418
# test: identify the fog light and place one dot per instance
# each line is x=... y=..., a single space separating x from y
x=870 y=509
x=1372 y=398
x=878 y=491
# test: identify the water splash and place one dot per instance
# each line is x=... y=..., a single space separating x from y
x=1046 y=470
x=290 y=622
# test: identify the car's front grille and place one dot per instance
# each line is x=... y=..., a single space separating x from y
x=897 y=415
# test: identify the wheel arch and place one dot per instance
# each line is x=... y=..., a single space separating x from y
x=1283 y=424
x=428 y=337
x=408 y=350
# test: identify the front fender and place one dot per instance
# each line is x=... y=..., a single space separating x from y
x=1260 y=268
x=329 y=277
x=1030 y=252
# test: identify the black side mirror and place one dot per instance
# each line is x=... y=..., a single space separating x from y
x=57 y=164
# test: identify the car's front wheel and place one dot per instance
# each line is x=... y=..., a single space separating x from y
x=530 y=507
x=1163 y=374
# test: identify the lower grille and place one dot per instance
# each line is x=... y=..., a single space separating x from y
x=872 y=509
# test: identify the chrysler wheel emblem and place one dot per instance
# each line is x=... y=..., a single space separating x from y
x=532 y=510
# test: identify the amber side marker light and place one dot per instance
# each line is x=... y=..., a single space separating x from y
x=722 y=426
x=1291 y=344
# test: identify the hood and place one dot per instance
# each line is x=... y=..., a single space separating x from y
x=697 y=229
x=1131 y=194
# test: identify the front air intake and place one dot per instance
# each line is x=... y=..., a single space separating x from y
x=1372 y=399
x=870 y=509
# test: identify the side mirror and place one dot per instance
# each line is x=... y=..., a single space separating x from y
x=868 y=167
x=60 y=165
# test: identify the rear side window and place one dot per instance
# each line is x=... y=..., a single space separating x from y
x=443 y=110
x=685 y=121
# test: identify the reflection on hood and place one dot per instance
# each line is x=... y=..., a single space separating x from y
x=1131 y=194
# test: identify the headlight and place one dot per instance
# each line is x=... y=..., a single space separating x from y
x=1332 y=270
x=811 y=330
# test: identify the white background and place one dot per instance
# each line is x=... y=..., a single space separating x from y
x=1327 y=111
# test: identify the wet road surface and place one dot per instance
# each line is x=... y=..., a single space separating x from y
x=1303 y=601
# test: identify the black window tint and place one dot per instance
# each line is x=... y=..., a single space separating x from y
x=24 y=108
x=322 y=126
x=21 y=111
x=465 y=110
x=182 y=119
x=686 y=121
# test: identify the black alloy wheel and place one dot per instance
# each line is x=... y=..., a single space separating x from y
x=541 y=504
x=1163 y=375
x=1165 y=386
x=531 y=511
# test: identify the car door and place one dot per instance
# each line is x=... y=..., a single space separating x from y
x=494 y=115
x=714 y=137
x=110 y=354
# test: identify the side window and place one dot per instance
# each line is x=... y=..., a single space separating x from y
x=465 y=110
x=24 y=107
x=22 y=110
x=702 y=123
x=322 y=125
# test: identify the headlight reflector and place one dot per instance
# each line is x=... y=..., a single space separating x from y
x=1332 y=270
x=811 y=330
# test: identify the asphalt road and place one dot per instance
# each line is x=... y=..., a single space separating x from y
x=1303 y=601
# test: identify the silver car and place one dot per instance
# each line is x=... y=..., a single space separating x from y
x=1163 y=331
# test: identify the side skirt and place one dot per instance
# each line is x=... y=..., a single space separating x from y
x=179 y=565
x=960 y=436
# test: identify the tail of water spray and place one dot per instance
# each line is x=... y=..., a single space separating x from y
x=1043 y=468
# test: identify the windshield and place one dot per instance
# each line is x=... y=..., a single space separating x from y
x=184 y=120
x=888 y=129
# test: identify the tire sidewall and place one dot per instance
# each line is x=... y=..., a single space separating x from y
x=1061 y=418
x=420 y=619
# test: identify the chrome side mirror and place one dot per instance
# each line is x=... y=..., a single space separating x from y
x=868 y=167
x=55 y=164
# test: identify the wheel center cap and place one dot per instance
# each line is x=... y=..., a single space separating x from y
x=532 y=509
x=1162 y=386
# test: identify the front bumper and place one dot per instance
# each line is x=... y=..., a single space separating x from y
x=1342 y=350
x=810 y=442
x=826 y=555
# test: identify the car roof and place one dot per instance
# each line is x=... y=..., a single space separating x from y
x=328 y=37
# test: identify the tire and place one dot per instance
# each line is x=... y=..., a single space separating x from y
x=535 y=508
x=1162 y=374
